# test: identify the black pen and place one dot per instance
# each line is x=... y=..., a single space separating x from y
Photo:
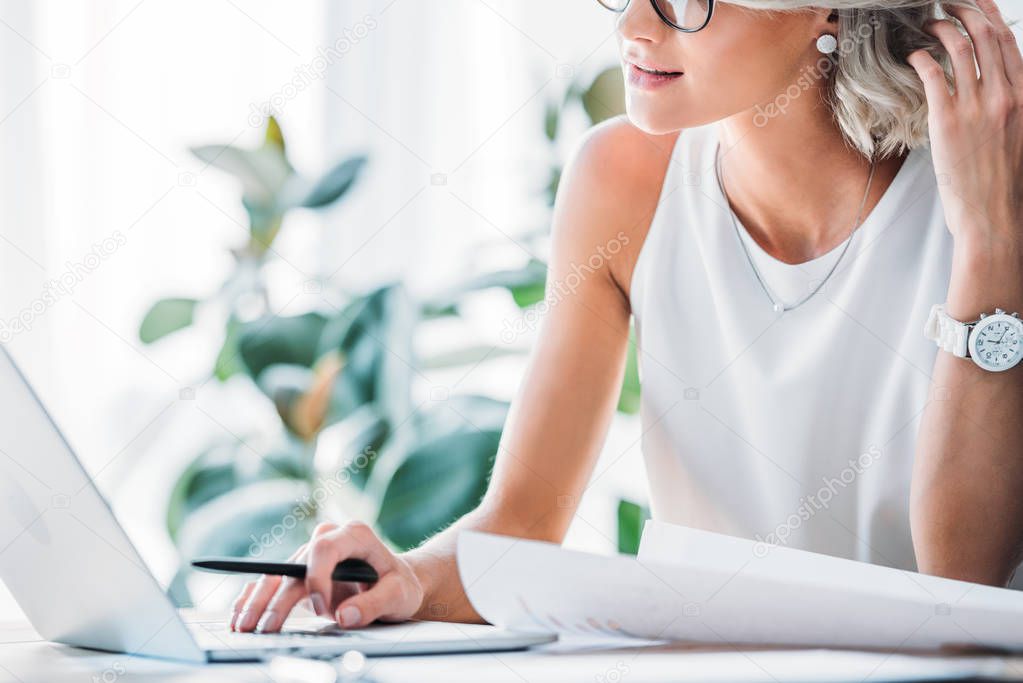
x=347 y=570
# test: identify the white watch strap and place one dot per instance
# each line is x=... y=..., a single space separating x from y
x=947 y=332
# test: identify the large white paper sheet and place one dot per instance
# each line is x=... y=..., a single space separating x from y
x=692 y=585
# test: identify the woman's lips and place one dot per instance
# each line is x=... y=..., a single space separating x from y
x=648 y=79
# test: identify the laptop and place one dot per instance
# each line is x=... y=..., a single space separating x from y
x=79 y=580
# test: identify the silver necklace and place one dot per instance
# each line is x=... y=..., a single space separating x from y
x=780 y=306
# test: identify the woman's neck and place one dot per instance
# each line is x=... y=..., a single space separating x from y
x=795 y=184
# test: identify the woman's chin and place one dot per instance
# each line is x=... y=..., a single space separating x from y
x=655 y=122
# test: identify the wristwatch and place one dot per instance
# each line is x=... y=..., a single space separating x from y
x=994 y=341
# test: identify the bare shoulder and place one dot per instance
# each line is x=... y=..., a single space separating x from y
x=609 y=192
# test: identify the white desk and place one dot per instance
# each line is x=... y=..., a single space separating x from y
x=26 y=659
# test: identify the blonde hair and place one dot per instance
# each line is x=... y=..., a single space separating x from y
x=877 y=98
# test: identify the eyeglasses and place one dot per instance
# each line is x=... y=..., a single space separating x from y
x=688 y=16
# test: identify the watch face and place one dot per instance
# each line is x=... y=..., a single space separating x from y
x=996 y=342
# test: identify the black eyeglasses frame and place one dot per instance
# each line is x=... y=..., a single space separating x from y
x=664 y=18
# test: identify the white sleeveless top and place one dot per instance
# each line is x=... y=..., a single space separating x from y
x=796 y=428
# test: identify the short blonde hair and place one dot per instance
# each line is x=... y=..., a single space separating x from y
x=877 y=97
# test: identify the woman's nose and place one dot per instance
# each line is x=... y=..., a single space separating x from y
x=639 y=22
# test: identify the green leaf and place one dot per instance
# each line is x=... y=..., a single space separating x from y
x=551 y=190
x=529 y=294
x=369 y=442
x=398 y=360
x=227 y=467
x=224 y=467
x=266 y=519
x=526 y=284
x=631 y=517
x=373 y=333
x=229 y=360
x=274 y=137
x=334 y=184
x=628 y=399
x=573 y=92
x=550 y=122
x=284 y=384
x=166 y=316
x=273 y=340
x=290 y=459
x=211 y=474
x=265 y=222
x=354 y=444
x=431 y=310
x=443 y=474
x=605 y=98
x=263 y=172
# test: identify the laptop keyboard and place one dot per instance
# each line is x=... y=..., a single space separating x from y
x=220 y=633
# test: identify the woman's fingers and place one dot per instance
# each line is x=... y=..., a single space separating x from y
x=288 y=593
x=324 y=554
x=379 y=602
x=241 y=609
x=318 y=541
x=284 y=600
x=258 y=598
x=239 y=603
x=265 y=604
x=323 y=528
x=984 y=45
x=933 y=77
x=1006 y=38
x=960 y=51
x=354 y=540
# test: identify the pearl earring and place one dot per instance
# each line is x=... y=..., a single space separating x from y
x=827 y=43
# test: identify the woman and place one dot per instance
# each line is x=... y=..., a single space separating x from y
x=773 y=217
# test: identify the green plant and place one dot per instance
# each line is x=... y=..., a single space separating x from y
x=350 y=370
x=350 y=367
x=631 y=518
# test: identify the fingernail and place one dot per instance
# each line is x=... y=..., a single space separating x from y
x=268 y=622
x=234 y=621
x=319 y=606
x=350 y=616
x=245 y=620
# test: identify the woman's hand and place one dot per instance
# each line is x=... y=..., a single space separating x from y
x=264 y=604
x=962 y=469
x=977 y=132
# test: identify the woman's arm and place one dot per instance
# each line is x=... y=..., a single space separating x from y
x=560 y=417
x=967 y=494
x=558 y=420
